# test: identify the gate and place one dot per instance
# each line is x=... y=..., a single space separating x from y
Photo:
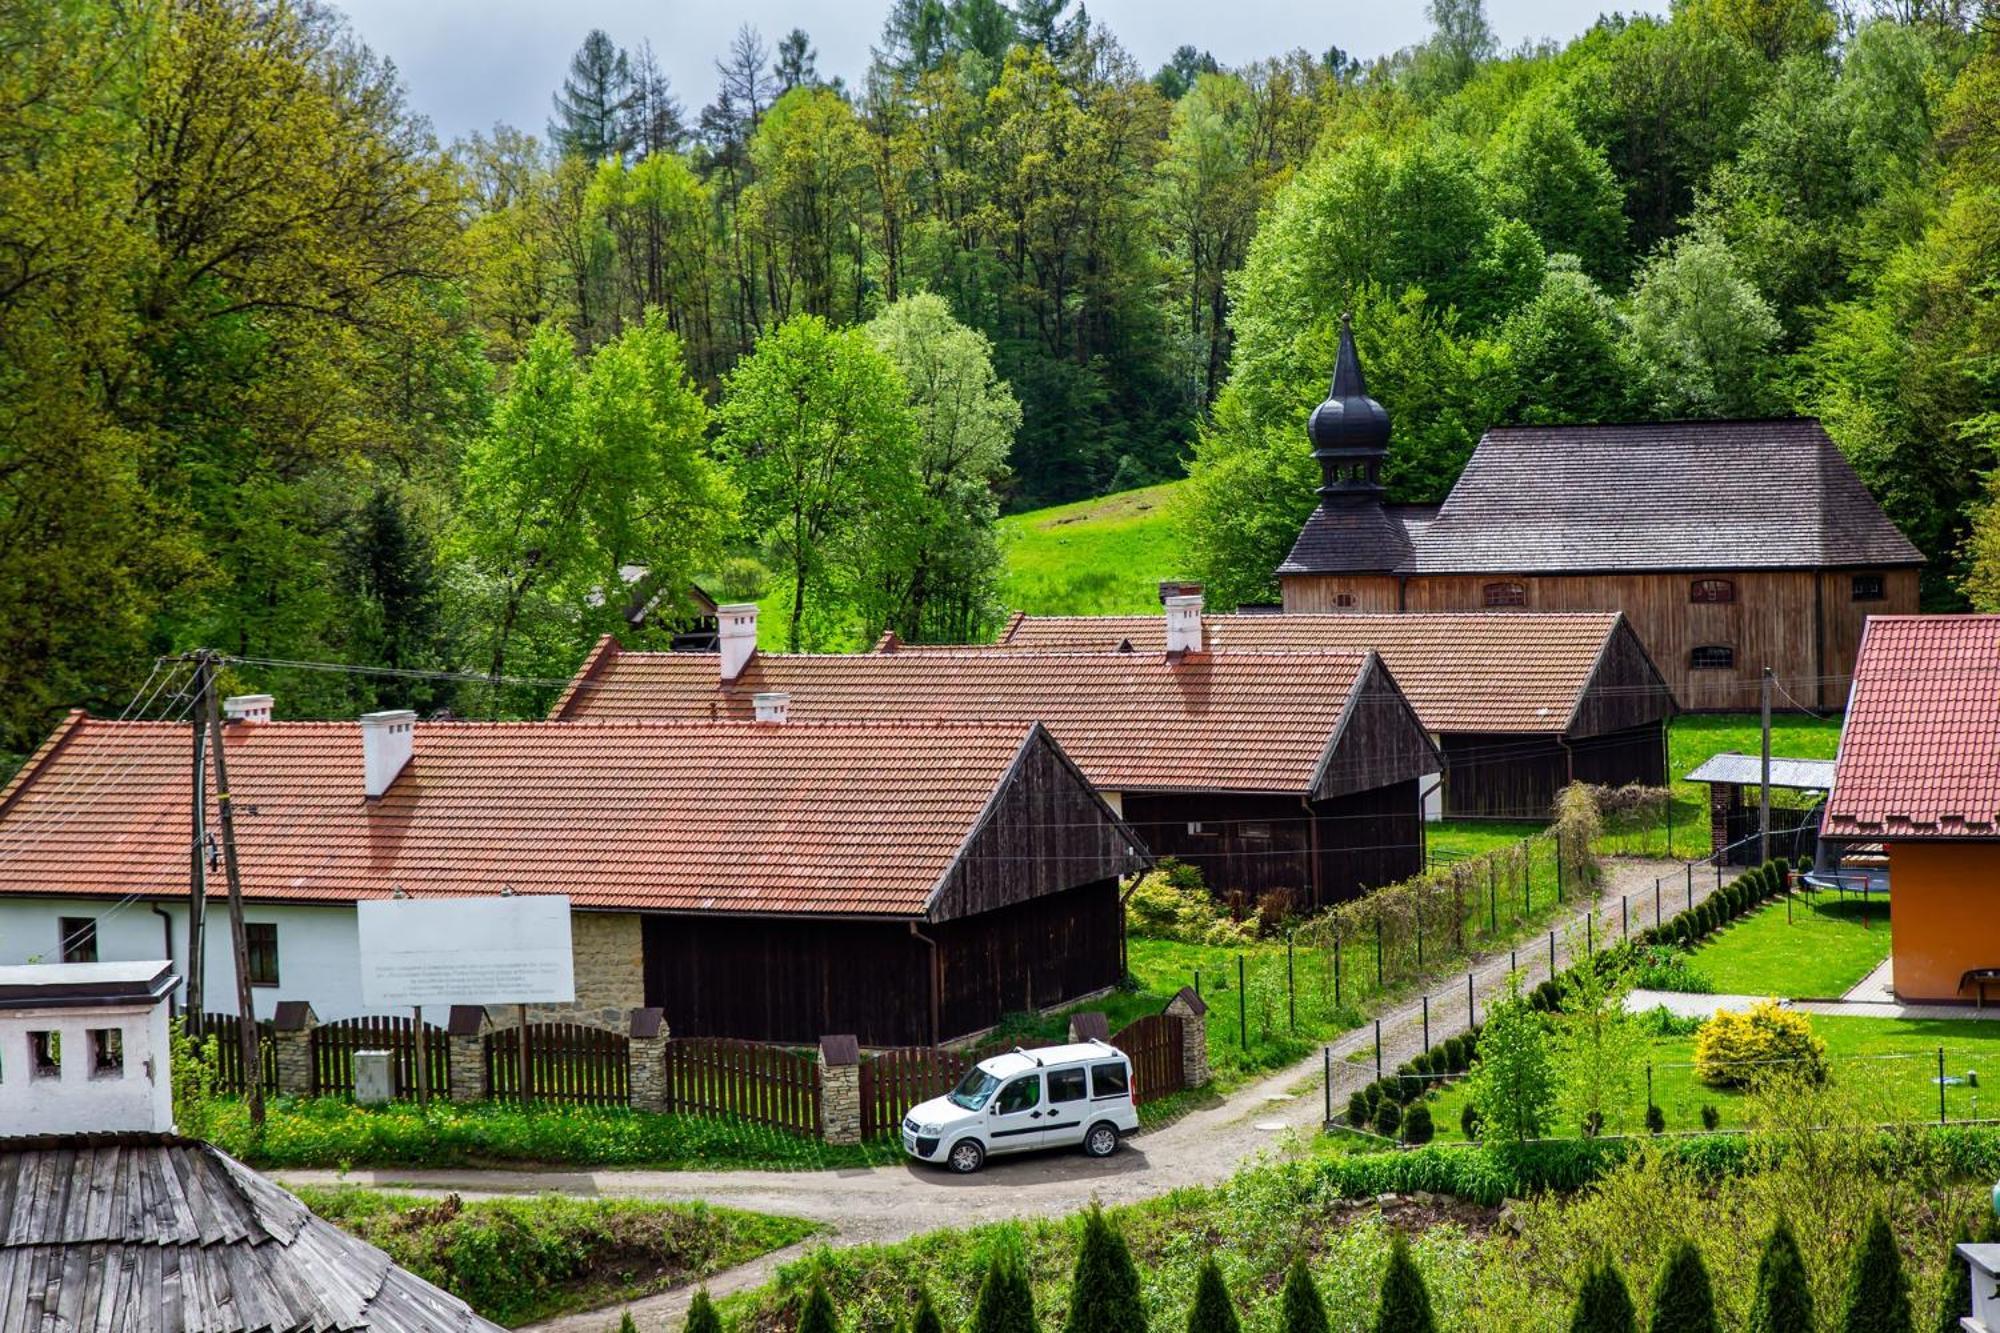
x=1154 y=1043
x=749 y=1080
x=567 y=1062
x=334 y=1045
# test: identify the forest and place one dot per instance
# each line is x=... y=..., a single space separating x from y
x=283 y=375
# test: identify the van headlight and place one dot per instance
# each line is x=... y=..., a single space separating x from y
x=930 y=1131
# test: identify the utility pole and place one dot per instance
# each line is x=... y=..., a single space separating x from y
x=1764 y=792
x=246 y=1009
x=197 y=870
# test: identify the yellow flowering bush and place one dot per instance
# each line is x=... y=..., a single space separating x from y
x=1732 y=1047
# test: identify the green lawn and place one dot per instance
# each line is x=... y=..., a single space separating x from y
x=1094 y=557
x=1823 y=947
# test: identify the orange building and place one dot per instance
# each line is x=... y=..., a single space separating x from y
x=1919 y=773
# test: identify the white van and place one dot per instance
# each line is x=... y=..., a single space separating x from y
x=1051 y=1097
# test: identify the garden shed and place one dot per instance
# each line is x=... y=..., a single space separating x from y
x=1733 y=812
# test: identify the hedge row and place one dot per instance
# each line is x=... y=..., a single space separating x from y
x=1381 y=1103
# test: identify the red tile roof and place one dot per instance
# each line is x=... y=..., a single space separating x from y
x=1476 y=671
x=831 y=818
x=1920 y=750
x=1208 y=722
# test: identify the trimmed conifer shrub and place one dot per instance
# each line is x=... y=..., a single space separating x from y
x=817 y=1315
x=1710 y=1117
x=1388 y=1119
x=1683 y=1302
x=1006 y=1304
x=925 y=1320
x=1783 y=1300
x=1603 y=1303
x=1212 y=1312
x=1953 y=1301
x=1302 y=1311
x=1878 y=1295
x=1469 y=1123
x=1357 y=1108
x=1104 y=1288
x=1656 y=1119
x=625 y=1324
x=1405 y=1306
x=1417 y=1127
x=701 y=1316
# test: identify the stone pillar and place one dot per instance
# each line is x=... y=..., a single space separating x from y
x=1192 y=1010
x=466 y=1033
x=647 y=1051
x=840 y=1089
x=1725 y=799
x=1089 y=1025
x=291 y=1033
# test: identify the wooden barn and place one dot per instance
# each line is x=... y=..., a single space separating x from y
x=1271 y=771
x=1729 y=545
x=1520 y=704
x=904 y=882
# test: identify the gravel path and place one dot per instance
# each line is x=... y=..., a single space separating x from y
x=889 y=1203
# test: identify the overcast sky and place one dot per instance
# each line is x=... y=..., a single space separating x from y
x=470 y=63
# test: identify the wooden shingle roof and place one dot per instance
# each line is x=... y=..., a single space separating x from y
x=1920 y=748
x=154 y=1234
x=1475 y=671
x=1264 y=722
x=841 y=818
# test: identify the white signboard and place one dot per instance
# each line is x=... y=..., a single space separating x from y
x=445 y=951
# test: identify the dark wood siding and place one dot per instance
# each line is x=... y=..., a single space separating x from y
x=777 y=979
x=1248 y=843
x=1625 y=691
x=1368 y=839
x=1637 y=754
x=1380 y=742
x=1502 y=775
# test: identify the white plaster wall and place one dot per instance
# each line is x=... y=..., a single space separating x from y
x=140 y=1098
x=1433 y=798
x=319 y=951
x=1116 y=800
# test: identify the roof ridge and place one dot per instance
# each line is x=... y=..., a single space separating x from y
x=1655 y=424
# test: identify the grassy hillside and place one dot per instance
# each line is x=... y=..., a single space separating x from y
x=1093 y=557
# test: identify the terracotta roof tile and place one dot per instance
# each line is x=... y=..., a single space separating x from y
x=1210 y=722
x=667 y=815
x=1920 y=750
x=1462 y=672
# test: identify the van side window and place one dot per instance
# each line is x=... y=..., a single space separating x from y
x=1109 y=1081
x=1066 y=1085
x=1019 y=1095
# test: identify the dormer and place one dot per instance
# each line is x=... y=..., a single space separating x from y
x=84 y=1049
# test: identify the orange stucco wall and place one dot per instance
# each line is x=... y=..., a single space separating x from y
x=1944 y=914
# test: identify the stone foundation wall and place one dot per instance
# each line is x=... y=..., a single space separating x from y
x=610 y=974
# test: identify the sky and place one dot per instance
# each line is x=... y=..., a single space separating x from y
x=471 y=63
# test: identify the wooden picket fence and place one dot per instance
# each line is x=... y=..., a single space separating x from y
x=567 y=1062
x=334 y=1045
x=767 y=1085
x=225 y=1028
x=1154 y=1043
x=895 y=1079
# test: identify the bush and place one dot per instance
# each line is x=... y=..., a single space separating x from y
x=817 y=1316
x=1469 y=1123
x=1656 y=1119
x=1603 y=1303
x=1783 y=1299
x=1660 y=967
x=1212 y=1311
x=1173 y=904
x=1735 y=1045
x=1710 y=1117
x=1359 y=1111
x=1417 y=1128
x=1406 y=1303
x=1683 y=1302
x=1878 y=1295
x=1303 y=1311
x=1104 y=1287
x=1660 y=1021
x=1388 y=1119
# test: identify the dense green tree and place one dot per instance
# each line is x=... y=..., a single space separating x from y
x=702 y=1318
x=809 y=205
x=1405 y=1305
x=596 y=97
x=1568 y=353
x=816 y=1312
x=393 y=575
x=1460 y=40
x=1212 y=1311
x=1683 y=1301
x=1603 y=1303
x=925 y=1318
x=1783 y=1298
x=1513 y=1083
x=1544 y=174
x=1104 y=1288
x=1878 y=1294
x=1302 y=1310
x=1187 y=64
x=1704 y=334
x=797 y=63
x=1006 y=1303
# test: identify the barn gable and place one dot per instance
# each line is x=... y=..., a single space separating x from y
x=1379 y=741
x=1626 y=689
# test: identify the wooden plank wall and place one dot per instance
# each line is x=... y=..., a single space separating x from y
x=1029 y=956
x=1322 y=592
x=1249 y=843
x=1369 y=839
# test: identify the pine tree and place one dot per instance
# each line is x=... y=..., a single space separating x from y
x=817 y=1316
x=797 y=64
x=625 y=1324
x=925 y=1320
x=1406 y=1304
x=1104 y=1292
x=1212 y=1312
x=1683 y=1302
x=1783 y=1300
x=1878 y=1295
x=1005 y=1304
x=589 y=120
x=1304 y=1312
x=1603 y=1305
x=701 y=1316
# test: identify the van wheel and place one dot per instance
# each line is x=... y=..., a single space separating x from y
x=1102 y=1140
x=966 y=1156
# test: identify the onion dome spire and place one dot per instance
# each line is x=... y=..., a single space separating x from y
x=1349 y=431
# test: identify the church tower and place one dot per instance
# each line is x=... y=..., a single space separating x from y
x=1349 y=432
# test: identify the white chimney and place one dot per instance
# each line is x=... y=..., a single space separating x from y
x=772 y=705
x=1184 y=623
x=86 y=1047
x=736 y=633
x=386 y=741
x=247 y=708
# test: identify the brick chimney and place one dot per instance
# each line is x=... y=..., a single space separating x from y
x=247 y=708
x=772 y=705
x=1184 y=623
x=387 y=740
x=87 y=1049
x=736 y=635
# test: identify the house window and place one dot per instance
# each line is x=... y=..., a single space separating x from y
x=1254 y=832
x=1868 y=588
x=1713 y=657
x=107 y=1053
x=262 y=939
x=45 y=1055
x=1343 y=599
x=1712 y=591
x=79 y=938
x=1505 y=594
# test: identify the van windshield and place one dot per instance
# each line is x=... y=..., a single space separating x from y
x=974 y=1090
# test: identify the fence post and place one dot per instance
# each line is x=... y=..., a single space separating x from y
x=1941 y=1118
x=840 y=1089
x=1471 y=1020
x=1649 y=1085
x=1552 y=954
x=1656 y=903
x=1336 y=967
x=1192 y=1011
x=1625 y=916
x=1427 y=1024
x=1291 y=984
x=646 y=1057
x=1326 y=1082
x=292 y=1037
x=1590 y=935
x=1378 y=1050
x=465 y=1033
x=1242 y=1007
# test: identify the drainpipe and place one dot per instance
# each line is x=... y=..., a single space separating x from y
x=167 y=934
x=937 y=1022
x=1312 y=848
